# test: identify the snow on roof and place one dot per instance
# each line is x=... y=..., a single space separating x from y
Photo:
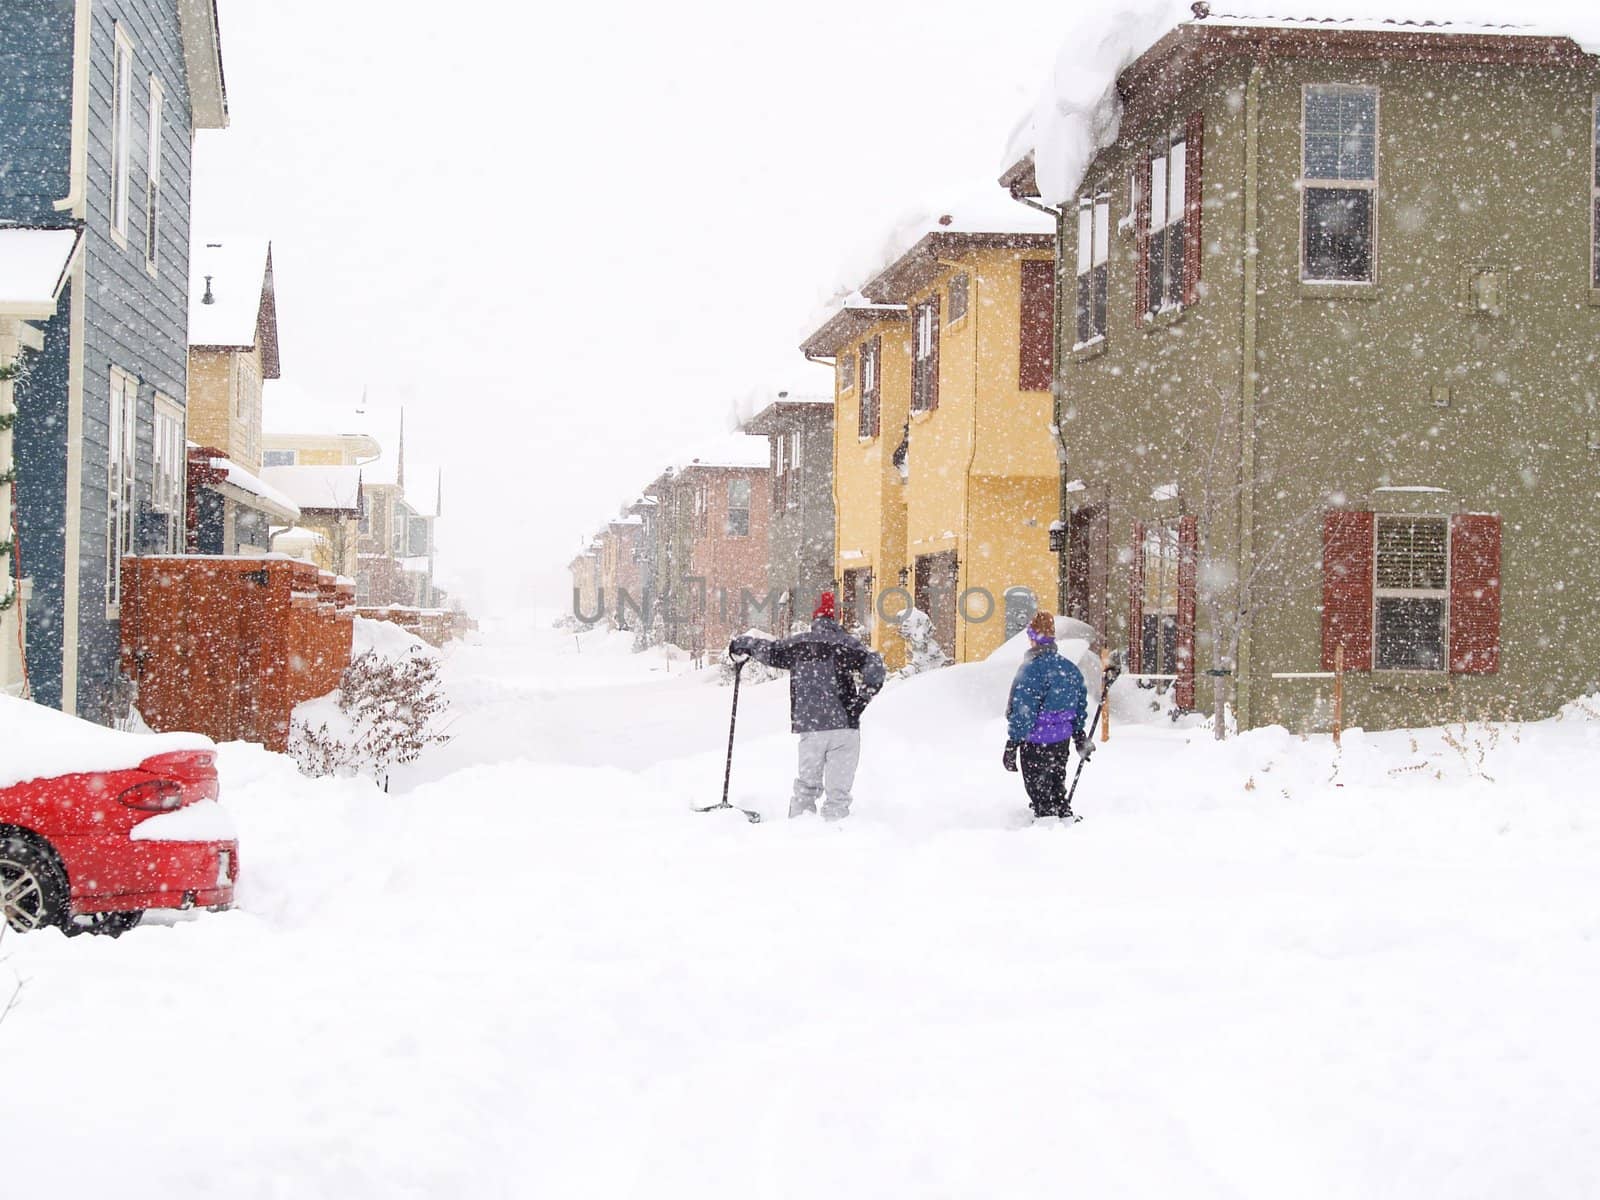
x=33 y=269
x=733 y=450
x=287 y=410
x=42 y=742
x=1079 y=110
x=233 y=273
x=286 y=509
x=317 y=487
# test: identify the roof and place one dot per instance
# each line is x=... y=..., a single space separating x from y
x=782 y=414
x=202 y=60
x=735 y=451
x=854 y=318
x=231 y=300
x=337 y=488
x=34 y=264
x=1138 y=54
x=264 y=496
x=291 y=411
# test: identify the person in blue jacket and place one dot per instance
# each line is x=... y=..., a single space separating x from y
x=1045 y=713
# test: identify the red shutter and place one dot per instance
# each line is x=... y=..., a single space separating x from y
x=1136 y=602
x=1141 y=239
x=933 y=354
x=1037 y=328
x=1194 y=131
x=1347 y=549
x=1188 y=553
x=1474 y=594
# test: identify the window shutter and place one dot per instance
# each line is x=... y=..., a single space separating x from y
x=1474 y=594
x=1037 y=320
x=1188 y=553
x=1141 y=239
x=1193 y=197
x=1347 y=549
x=933 y=354
x=1136 y=602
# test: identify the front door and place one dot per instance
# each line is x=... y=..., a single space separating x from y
x=935 y=594
x=1088 y=547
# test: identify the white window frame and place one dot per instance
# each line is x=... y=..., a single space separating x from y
x=745 y=508
x=122 y=517
x=152 y=211
x=121 y=134
x=277 y=450
x=1094 y=258
x=168 y=491
x=924 y=348
x=951 y=316
x=1306 y=182
x=1162 y=556
x=1167 y=209
x=854 y=361
x=1381 y=593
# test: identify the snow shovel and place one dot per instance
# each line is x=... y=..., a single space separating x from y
x=727 y=771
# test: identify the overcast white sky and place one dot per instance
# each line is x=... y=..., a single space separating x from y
x=569 y=237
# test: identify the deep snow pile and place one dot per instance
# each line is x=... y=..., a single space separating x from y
x=1256 y=969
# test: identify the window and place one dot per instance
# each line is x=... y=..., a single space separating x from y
x=121 y=131
x=1036 y=337
x=738 y=508
x=1094 y=253
x=925 y=355
x=960 y=285
x=846 y=369
x=785 y=468
x=1165 y=242
x=1411 y=576
x=152 y=200
x=418 y=539
x=867 y=410
x=856 y=614
x=171 y=463
x=277 y=458
x=1339 y=182
x=1594 y=256
x=121 y=516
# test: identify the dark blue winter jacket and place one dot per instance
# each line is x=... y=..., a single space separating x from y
x=831 y=675
x=1048 y=699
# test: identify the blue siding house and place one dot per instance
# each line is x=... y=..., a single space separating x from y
x=99 y=102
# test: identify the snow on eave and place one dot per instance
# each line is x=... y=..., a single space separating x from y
x=276 y=503
x=34 y=265
x=1113 y=51
x=849 y=320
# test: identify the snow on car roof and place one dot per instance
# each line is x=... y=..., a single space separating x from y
x=1079 y=110
x=38 y=742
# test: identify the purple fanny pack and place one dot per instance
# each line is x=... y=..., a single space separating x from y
x=1053 y=725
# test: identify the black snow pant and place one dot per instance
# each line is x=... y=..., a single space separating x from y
x=1044 y=774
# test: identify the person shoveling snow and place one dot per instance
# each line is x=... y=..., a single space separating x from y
x=1046 y=711
x=832 y=678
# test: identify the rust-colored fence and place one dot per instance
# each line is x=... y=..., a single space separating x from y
x=435 y=626
x=228 y=646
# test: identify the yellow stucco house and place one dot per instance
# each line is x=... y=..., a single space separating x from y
x=945 y=469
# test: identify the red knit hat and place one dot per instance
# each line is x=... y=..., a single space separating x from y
x=824 y=606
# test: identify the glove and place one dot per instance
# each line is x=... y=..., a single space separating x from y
x=1083 y=743
x=1008 y=760
x=739 y=647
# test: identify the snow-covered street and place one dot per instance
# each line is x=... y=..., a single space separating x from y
x=519 y=976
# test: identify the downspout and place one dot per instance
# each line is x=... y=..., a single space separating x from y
x=78 y=155
x=833 y=476
x=965 y=559
x=1057 y=362
x=1247 y=387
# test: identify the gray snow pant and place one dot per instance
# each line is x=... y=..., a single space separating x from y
x=828 y=761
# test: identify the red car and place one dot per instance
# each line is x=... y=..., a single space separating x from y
x=72 y=853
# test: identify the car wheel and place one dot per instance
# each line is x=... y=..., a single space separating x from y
x=33 y=892
x=110 y=924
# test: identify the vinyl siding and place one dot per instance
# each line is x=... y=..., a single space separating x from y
x=35 y=110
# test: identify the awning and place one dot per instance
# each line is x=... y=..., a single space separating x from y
x=251 y=491
x=34 y=264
